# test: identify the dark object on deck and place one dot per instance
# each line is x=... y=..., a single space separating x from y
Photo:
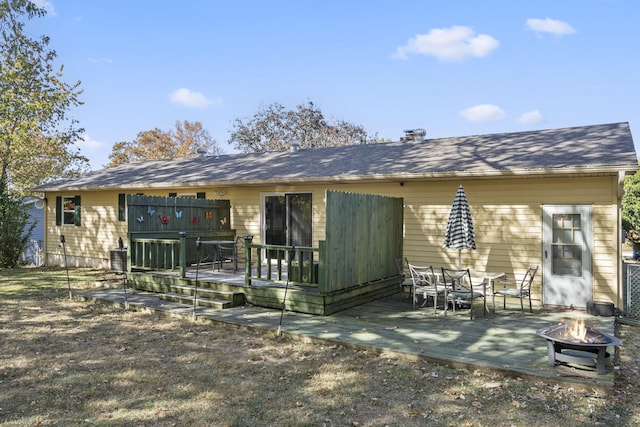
x=601 y=308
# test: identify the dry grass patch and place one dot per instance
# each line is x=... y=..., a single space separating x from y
x=74 y=363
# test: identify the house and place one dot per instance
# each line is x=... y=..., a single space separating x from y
x=550 y=198
x=32 y=253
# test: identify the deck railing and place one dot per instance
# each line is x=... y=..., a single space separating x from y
x=155 y=254
x=171 y=251
x=298 y=265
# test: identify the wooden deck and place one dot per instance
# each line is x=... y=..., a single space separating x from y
x=503 y=341
x=301 y=297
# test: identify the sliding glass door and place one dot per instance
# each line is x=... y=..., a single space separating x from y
x=287 y=219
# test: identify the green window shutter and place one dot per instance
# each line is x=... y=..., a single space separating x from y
x=77 y=211
x=58 y=210
x=121 y=206
x=201 y=195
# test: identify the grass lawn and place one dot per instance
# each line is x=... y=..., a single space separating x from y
x=70 y=363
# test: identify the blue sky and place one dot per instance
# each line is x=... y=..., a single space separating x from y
x=451 y=67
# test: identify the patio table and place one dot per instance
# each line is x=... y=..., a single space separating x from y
x=488 y=278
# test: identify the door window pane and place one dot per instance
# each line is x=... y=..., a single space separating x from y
x=566 y=249
x=275 y=223
x=300 y=219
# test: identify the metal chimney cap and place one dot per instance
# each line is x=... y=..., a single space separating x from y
x=415 y=134
x=294 y=146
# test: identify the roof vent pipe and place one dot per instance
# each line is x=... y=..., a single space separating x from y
x=414 y=135
x=201 y=152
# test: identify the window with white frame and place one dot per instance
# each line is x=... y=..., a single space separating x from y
x=69 y=211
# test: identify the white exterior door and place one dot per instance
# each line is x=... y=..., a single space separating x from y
x=567 y=244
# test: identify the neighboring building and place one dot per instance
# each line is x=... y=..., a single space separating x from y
x=32 y=255
x=550 y=198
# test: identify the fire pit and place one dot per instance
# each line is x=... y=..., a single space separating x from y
x=577 y=336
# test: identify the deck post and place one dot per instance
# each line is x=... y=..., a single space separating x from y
x=183 y=254
x=322 y=270
x=130 y=252
x=248 y=238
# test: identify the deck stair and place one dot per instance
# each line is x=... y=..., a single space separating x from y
x=207 y=297
x=210 y=294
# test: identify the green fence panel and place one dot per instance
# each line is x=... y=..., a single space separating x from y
x=363 y=239
x=177 y=214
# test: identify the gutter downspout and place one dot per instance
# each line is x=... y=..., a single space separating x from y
x=618 y=239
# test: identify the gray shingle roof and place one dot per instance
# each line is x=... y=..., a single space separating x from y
x=603 y=148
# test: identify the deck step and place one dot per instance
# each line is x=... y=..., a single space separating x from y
x=236 y=298
x=202 y=301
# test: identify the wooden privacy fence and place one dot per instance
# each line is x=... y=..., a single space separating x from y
x=363 y=239
x=163 y=230
x=177 y=214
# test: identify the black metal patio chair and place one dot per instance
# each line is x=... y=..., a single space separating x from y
x=233 y=252
x=460 y=291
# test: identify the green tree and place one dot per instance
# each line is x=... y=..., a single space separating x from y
x=36 y=134
x=631 y=202
x=184 y=141
x=274 y=128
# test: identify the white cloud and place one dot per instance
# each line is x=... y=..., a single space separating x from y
x=46 y=5
x=87 y=143
x=94 y=150
x=548 y=25
x=530 y=117
x=483 y=113
x=192 y=99
x=448 y=44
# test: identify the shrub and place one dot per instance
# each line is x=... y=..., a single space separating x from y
x=631 y=202
x=14 y=233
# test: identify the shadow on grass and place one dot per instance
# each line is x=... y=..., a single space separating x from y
x=75 y=363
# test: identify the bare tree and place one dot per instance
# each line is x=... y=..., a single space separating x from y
x=191 y=137
x=184 y=141
x=273 y=128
